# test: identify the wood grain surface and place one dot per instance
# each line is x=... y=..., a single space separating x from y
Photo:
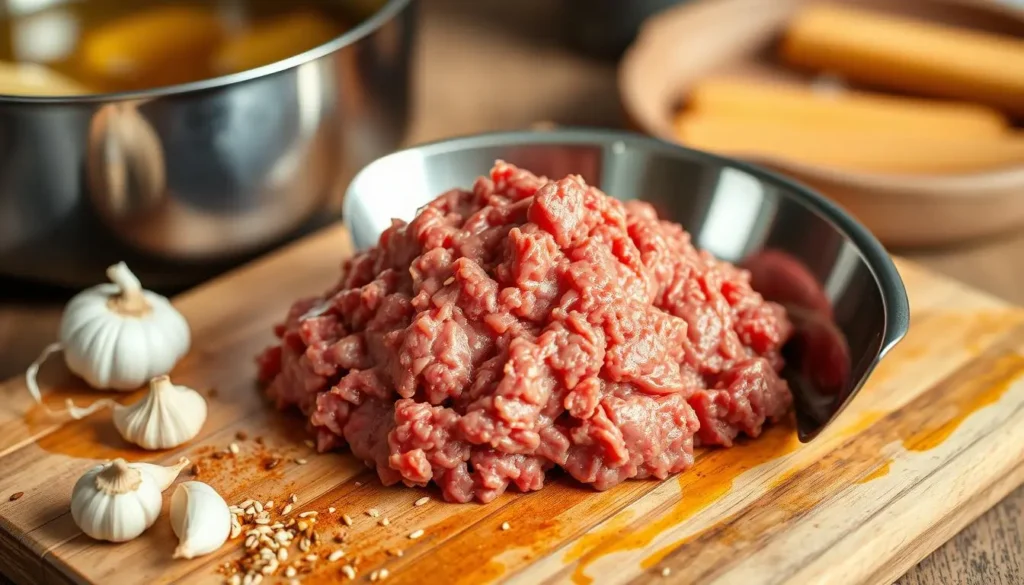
x=931 y=442
x=574 y=89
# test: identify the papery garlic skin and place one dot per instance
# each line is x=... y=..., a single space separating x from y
x=118 y=501
x=168 y=416
x=200 y=519
x=117 y=336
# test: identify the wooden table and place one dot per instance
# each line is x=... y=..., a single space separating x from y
x=516 y=74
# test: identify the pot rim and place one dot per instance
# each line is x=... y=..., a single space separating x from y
x=386 y=13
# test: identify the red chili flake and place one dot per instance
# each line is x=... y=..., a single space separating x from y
x=241 y=435
x=16 y=495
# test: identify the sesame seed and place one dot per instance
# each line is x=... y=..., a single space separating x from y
x=307 y=514
x=246 y=504
x=346 y=519
x=349 y=571
x=449 y=280
x=293 y=498
x=395 y=552
x=250 y=511
x=304 y=544
x=293 y=582
x=287 y=508
x=505 y=526
x=421 y=501
x=257 y=579
x=666 y=572
x=336 y=555
x=263 y=520
x=416 y=534
x=252 y=541
x=373 y=576
x=384 y=521
x=247 y=580
x=268 y=505
x=384 y=574
x=236 y=528
x=310 y=558
x=235 y=510
x=233 y=447
x=290 y=572
x=235 y=579
x=373 y=513
x=258 y=506
x=301 y=461
x=359 y=484
x=282 y=554
x=330 y=510
x=302 y=525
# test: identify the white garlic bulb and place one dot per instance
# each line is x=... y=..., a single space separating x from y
x=118 y=501
x=166 y=417
x=200 y=519
x=116 y=336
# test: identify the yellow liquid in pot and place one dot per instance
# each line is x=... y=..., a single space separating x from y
x=54 y=47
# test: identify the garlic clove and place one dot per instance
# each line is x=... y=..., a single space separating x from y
x=200 y=519
x=118 y=501
x=163 y=476
x=166 y=417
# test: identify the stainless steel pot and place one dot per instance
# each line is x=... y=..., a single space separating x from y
x=186 y=180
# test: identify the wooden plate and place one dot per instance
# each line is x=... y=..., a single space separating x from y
x=681 y=45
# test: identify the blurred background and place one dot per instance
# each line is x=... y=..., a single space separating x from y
x=187 y=136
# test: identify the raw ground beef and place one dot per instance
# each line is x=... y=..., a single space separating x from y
x=527 y=324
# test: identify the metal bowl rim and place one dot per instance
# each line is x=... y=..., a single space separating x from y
x=895 y=304
x=367 y=26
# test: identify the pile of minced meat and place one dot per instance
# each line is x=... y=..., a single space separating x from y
x=528 y=324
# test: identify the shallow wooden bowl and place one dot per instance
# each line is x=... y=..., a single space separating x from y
x=683 y=44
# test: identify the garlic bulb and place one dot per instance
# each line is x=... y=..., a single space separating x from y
x=116 y=336
x=200 y=519
x=166 y=417
x=118 y=501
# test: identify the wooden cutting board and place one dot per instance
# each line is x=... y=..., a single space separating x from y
x=934 y=439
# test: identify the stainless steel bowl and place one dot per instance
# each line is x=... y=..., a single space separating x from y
x=838 y=283
x=185 y=180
